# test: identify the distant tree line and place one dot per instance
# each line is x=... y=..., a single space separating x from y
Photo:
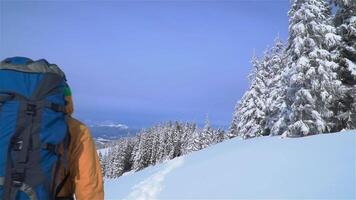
x=157 y=144
x=308 y=84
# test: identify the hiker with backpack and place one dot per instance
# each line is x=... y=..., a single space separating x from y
x=45 y=154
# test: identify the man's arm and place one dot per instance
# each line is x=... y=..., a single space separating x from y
x=84 y=164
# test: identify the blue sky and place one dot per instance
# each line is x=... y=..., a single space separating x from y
x=141 y=62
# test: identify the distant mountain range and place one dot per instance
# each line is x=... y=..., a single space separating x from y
x=108 y=131
x=109 y=124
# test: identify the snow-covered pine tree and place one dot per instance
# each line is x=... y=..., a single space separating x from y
x=135 y=149
x=150 y=148
x=197 y=140
x=120 y=160
x=178 y=128
x=155 y=144
x=148 y=145
x=345 y=22
x=233 y=130
x=276 y=111
x=142 y=155
x=169 y=145
x=102 y=163
x=251 y=109
x=108 y=163
x=313 y=83
x=131 y=142
x=207 y=134
x=186 y=134
x=175 y=140
x=220 y=135
x=163 y=138
x=189 y=144
x=114 y=159
x=124 y=154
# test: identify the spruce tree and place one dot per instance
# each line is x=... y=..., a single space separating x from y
x=251 y=109
x=189 y=145
x=220 y=135
x=197 y=141
x=276 y=109
x=102 y=164
x=207 y=134
x=345 y=22
x=233 y=131
x=313 y=84
x=141 y=159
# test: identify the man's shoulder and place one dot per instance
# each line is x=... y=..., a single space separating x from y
x=75 y=122
x=77 y=127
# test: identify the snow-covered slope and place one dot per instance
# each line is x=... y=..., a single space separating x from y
x=321 y=166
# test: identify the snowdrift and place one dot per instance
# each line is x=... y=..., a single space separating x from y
x=321 y=166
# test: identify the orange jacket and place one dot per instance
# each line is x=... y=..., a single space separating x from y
x=85 y=179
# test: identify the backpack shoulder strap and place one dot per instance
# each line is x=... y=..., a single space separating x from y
x=63 y=162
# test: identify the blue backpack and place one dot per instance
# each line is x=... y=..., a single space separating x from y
x=34 y=135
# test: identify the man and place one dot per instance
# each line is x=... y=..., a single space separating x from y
x=45 y=152
x=85 y=176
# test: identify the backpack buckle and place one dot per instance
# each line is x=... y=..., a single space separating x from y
x=31 y=109
x=16 y=144
x=17 y=179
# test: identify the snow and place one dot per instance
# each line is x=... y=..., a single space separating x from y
x=152 y=186
x=109 y=124
x=321 y=166
x=100 y=139
x=113 y=125
x=352 y=66
x=352 y=20
x=103 y=151
x=332 y=39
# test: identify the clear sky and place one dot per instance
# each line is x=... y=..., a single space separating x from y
x=141 y=62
